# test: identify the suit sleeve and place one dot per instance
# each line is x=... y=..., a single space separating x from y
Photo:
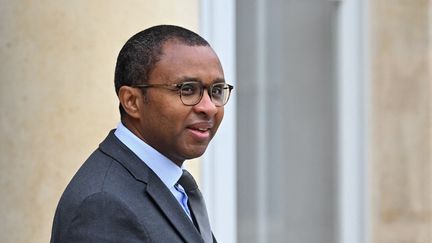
x=105 y=218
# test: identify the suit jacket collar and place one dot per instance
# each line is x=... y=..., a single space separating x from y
x=169 y=206
x=114 y=148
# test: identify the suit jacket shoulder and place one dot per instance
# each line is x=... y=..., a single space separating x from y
x=115 y=197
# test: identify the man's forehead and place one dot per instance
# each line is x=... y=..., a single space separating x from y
x=173 y=45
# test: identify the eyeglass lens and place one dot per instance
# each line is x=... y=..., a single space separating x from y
x=191 y=93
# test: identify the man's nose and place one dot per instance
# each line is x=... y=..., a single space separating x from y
x=206 y=105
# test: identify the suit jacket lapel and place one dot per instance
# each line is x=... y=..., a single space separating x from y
x=169 y=206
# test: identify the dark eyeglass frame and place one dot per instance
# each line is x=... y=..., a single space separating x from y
x=178 y=87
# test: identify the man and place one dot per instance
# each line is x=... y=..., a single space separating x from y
x=171 y=89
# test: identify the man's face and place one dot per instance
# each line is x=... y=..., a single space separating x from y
x=177 y=131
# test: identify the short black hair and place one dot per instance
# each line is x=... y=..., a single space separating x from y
x=142 y=51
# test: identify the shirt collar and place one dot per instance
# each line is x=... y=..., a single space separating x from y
x=165 y=169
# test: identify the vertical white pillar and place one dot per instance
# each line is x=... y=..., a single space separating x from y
x=217 y=25
x=352 y=101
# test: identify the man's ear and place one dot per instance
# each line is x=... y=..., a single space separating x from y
x=130 y=99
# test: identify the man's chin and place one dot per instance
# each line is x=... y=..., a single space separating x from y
x=196 y=151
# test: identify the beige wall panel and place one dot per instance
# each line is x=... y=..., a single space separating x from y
x=57 y=99
x=401 y=121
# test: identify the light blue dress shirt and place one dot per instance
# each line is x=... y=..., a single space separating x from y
x=165 y=169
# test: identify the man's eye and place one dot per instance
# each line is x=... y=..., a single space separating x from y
x=188 y=89
x=217 y=90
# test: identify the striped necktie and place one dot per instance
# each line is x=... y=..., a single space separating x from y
x=196 y=205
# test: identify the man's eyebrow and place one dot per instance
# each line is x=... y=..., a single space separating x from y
x=187 y=79
x=219 y=80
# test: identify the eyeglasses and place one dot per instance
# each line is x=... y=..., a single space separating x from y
x=191 y=92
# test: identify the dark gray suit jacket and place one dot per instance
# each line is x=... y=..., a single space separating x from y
x=115 y=197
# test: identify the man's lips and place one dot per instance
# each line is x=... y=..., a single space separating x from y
x=201 y=126
x=200 y=130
